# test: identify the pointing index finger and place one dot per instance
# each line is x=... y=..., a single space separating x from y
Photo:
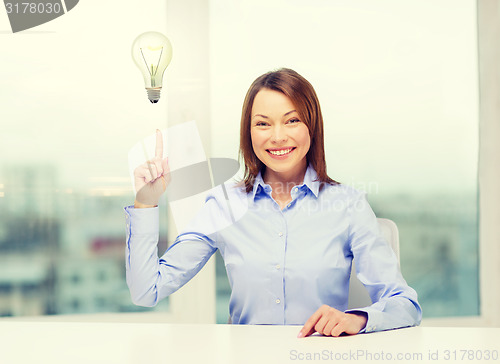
x=308 y=327
x=159 y=144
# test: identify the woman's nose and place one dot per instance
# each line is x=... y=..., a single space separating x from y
x=279 y=134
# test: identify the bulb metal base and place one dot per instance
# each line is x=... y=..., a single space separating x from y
x=153 y=94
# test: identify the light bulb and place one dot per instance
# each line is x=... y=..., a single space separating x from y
x=152 y=53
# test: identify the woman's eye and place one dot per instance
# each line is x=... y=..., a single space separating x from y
x=292 y=121
x=260 y=123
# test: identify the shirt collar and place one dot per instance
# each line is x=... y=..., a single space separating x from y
x=258 y=185
x=310 y=181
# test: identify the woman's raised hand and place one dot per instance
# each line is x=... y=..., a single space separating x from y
x=152 y=178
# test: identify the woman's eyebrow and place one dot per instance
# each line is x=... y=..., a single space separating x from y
x=267 y=117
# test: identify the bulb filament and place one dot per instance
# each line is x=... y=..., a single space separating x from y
x=154 y=69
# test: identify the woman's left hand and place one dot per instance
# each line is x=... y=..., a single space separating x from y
x=331 y=322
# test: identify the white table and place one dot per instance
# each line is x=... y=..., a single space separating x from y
x=89 y=343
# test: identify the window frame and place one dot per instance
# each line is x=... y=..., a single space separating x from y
x=188 y=86
x=488 y=29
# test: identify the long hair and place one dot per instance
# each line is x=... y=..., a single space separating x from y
x=306 y=102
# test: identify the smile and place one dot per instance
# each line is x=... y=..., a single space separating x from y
x=280 y=152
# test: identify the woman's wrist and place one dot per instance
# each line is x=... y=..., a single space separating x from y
x=361 y=318
x=139 y=205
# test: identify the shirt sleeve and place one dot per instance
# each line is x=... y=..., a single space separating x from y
x=395 y=303
x=151 y=278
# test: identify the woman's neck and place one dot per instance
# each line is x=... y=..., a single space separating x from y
x=282 y=183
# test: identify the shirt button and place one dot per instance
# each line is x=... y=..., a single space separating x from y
x=280 y=233
x=295 y=189
x=278 y=266
x=278 y=301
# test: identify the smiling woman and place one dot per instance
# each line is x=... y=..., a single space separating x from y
x=281 y=111
x=280 y=141
x=289 y=253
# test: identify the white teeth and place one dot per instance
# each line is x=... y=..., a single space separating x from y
x=280 y=152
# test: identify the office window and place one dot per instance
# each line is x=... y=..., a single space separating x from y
x=73 y=103
x=398 y=87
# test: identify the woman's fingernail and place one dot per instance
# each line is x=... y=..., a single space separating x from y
x=300 y=335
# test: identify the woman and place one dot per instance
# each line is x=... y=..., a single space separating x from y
x=288 y=254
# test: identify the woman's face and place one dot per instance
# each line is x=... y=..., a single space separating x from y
x=279 y=138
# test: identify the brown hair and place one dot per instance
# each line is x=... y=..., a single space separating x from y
x=306 y=102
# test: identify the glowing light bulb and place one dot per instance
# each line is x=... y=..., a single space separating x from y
x=152 y=53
